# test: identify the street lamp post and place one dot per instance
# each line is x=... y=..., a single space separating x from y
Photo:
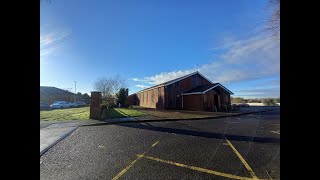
x=75 y=91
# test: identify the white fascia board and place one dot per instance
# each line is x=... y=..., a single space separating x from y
x=225 y=88
x=208 y=90
x=179 y=79
x=205 y=77
x=217 y=86
x=147 y=89
x=211 y=88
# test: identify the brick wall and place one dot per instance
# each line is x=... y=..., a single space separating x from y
x=151 y=98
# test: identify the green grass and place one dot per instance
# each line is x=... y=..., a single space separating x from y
x=65 y=114
x=83 y=114
x=121 y=113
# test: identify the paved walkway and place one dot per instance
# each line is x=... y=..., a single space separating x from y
x=51 y=132
x=50 y=136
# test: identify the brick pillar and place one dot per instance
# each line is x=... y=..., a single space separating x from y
x=95 y=105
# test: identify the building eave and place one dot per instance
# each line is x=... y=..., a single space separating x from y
x=203 y=92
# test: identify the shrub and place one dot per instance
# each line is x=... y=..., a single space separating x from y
x=235 y=107
x=254 y=101
x=237 y=100
x=223 y=108
x=269 y=102
x=104 y=106
x=229 y=107
x=103 y=113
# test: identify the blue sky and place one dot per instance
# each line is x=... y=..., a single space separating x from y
x=152 y=41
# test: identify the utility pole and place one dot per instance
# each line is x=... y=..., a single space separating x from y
x=75 y=91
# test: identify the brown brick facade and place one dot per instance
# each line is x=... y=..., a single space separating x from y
x=95 y=109
x=169 y=95
x=151 y=98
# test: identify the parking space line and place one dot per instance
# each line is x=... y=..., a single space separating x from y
x=126 y=168
x=276 y=132
x=131 y=164
x=154 y=144
x=243 y=161
x=195 y=168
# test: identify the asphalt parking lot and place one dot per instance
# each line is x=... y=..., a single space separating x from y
x=243 y=147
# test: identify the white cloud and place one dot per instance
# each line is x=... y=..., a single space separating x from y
x=135 y=79
x=51 y=42
x=163 y=77
x=142 y=86
x=242 y=60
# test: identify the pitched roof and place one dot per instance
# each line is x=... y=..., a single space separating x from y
x=179 y=78
x=183 y=77
x=175 y=80
x=197 y=90
x=201 y=88
x=205 y=88
x=165 y=83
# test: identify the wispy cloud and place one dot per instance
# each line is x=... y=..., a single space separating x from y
x=50 y=43
x=259 y=92
x=163 y=77
x=242 y=60
x=142 y=86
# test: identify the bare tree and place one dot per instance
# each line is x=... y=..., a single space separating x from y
x=274 y=21
x=109 y=87
x=104 y=85
x=117 y=83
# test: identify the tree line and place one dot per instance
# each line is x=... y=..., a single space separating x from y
x=266 y=101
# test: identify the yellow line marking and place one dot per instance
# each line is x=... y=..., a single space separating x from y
x=275 y=132
x=126 y=168
x=131 y=164
x=243 y=161
x=195 y=168
x=154 y=144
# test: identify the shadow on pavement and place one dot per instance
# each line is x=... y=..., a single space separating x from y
x=205 y=134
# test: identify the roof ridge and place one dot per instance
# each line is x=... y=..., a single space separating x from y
x=167 y=82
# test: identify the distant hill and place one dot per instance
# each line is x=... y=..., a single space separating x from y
x=51 y=94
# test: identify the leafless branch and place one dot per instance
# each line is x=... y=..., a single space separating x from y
x=109 y=86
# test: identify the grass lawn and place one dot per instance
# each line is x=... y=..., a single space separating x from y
x=121 y=113
x=83 y=114
x=65 y=114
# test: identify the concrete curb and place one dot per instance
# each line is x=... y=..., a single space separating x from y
x=58 y=140
x=162 y=120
